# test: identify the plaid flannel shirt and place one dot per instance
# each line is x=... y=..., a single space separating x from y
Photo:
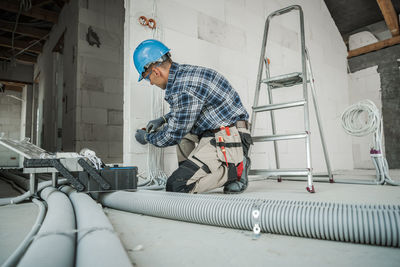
x=200 y=99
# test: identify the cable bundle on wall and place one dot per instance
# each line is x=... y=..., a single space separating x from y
x=354 y=123
x=155 y=155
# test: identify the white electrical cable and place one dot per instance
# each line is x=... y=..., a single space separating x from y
x=354 y=123
x=361 y=119
x=155 y=155
x=91 y=156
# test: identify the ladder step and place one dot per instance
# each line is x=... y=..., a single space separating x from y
x=278 y=137
x=280 y=172
x=284 y=80
x=279 y=106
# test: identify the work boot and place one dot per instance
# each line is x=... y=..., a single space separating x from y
x=240 y=185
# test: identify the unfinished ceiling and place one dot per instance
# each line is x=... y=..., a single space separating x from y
x=24 y=27
x=350 y=16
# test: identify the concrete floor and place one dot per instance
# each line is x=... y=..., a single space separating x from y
x=153 y=241
x=15 y=223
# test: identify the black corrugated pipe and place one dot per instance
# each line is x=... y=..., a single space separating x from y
x=365 y=224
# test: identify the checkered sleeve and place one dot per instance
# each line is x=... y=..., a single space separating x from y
x=185 y=109
x=167 y=116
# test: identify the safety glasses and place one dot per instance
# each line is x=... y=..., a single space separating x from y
x=147 y=77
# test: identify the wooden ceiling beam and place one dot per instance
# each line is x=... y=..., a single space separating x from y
x=391 y=18
x=4 y=54
x=374 y=47
x=20 y=45
x=14 y=82
x=19 y=84
x=13 y=88
x=34 y=12
x=23 y=30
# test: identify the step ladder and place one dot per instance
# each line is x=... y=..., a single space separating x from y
x=281 y=81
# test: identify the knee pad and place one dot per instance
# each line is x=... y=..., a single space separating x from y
x=177 y=181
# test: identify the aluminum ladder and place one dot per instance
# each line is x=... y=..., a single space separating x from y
x=281 y=81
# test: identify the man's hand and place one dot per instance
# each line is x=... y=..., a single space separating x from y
x=155 y=124
x=141 y=136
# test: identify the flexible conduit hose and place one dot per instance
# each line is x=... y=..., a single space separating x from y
x=16 y=255
x=365 y=224
x=54 y=244
x=98 y=245
x=28 y=194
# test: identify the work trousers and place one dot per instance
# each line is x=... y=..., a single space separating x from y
x=203 y=165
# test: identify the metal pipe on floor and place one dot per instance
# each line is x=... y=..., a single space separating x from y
x=365 y=224
x=17 y=254
x=97 y=245
x=54 y=244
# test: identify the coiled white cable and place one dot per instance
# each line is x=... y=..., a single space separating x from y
x=355 y=122
x=91 y=156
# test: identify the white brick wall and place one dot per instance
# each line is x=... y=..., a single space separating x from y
x=10 y=125
x=226 y=35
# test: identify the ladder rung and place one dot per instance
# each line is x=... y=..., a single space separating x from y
x=284 y=80
x=279 y=106
x=280 y=172
x=278 y=137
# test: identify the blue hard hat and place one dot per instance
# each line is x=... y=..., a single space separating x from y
x=147 y=52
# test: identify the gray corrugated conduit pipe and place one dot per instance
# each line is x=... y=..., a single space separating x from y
x=97 y=245
x=54 y=244
x=16 y=255
x=365 y=224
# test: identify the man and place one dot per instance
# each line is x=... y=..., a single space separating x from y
x=204 y=110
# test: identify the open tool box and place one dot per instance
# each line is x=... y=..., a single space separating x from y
x=80 y=172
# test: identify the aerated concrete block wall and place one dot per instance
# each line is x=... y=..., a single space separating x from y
x=15 y=115
x=99 y=120
x=92 y=80
x=226 y=35
x=10 y=125
x=44 y=71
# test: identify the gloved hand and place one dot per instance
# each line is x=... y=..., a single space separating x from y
x=155 y=124
x=141 y=136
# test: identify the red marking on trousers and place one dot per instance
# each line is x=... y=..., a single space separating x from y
x=239 y=170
